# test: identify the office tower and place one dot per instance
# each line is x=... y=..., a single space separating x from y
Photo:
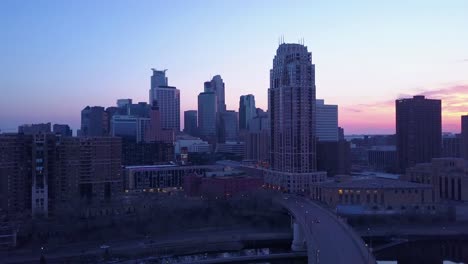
x=257 y=138
x=129 y=128
x=247 y=110
x=231 y=125
x=15 y=174
x=207 y=114
x=216 y=85
x=190 y=122
x=154 y=131
x=31 y=129
x=327 y=121
x=291 y=104
x=341 y=133
x=141 y=109
x=122 y=103
x=63 y=130
x=418 y=131
x=464 y=137
x=168 y=98
x=94 y=122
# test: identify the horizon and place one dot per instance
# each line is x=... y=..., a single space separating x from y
x=81 y=57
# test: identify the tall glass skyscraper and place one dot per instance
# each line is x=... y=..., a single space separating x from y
x=168 y=99
x=291 y=104
x=247 y=110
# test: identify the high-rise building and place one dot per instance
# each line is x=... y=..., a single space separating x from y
x=418 y=131
x=15 y=174
x=168 y=98
x=154 y=132
x=464 y=137
x=327 y=121
x=122 y=103
x=291 y=105
x=94 y=122
x=216 y=85
x=207 y=112
x=231 y=125
x=63 y=130
x=129 y=128
x=190 y=122
x=247 y=110
x=31 y=129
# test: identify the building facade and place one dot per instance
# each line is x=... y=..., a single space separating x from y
x=191 y=122
x=371 y=195
x=448 y=177
x=464 y=137
x=247 y=111
x=327 y=121
x=63 y=130
x=418 y=131
x=168 y=99
x=231 y=125
x=291 y=106
x=94 y=122
x=207 y=113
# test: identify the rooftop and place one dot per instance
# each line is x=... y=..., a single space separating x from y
x=374 y=183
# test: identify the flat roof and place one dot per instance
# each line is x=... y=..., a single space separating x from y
x=374 y=183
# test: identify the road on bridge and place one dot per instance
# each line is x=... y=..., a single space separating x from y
x=329 y=239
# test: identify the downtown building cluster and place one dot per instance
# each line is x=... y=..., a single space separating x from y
x=295 y=146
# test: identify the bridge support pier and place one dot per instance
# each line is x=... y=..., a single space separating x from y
x=298 y=243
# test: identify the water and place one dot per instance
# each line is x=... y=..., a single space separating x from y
x=434 y=251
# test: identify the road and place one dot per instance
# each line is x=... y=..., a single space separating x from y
x=329 y=239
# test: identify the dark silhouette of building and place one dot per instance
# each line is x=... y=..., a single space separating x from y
x=94 y=122
x=418 y=131
x=247 y=110
x=46 y=172
x=15 y=174
x=63 y=130
x=334 y=157
x=451 y=146
x=31 y=129
x=464 y=137
x=147 y=153
x=383 y=158
x=190 y=122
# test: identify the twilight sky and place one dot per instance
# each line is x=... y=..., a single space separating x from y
x=56 y=57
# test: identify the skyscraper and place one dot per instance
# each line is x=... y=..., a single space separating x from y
x=247 y=110
x=418 y=131
x=216 y=85
x=168 y=98
x=291 y=104
x=207 y=114
x=94 y=122
x=464 y=137
x=231 y=125
x=327 y=121
x=63 y=130
x=190 y=122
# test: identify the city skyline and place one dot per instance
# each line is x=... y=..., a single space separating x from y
x=405 y=49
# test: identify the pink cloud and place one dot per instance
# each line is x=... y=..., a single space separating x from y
x=379 y=117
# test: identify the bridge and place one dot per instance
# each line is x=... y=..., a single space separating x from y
x=326 y=238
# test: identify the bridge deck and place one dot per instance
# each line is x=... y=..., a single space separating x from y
x=329 y=240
